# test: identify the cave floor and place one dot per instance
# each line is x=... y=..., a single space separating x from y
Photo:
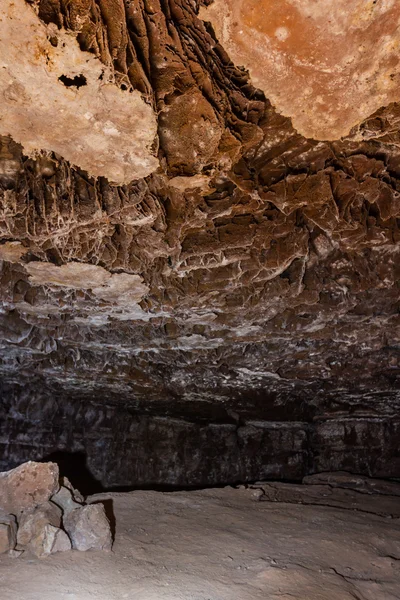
x=222 y=544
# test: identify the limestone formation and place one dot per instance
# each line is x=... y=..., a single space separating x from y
x=326 y=64
x=50 y=75
x=196 y=287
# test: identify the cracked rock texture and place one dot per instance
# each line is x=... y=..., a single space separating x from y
x=234 y=315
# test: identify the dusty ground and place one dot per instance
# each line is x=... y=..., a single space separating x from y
x=222 y=545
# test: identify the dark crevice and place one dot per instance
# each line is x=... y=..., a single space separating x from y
x=77 y=81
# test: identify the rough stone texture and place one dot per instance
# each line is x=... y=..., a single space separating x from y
x=76 y=494
x=50 y=75
x=219 y=544
x=233 y=315
x=27 y=486
x=50 y=540
x=134 y=446
x=64 y=499
x=386 y=506
x=8 y=532
x=32 y=522
x=57 y=540
x=88 y=528
x=364 y=485
x=327 y=64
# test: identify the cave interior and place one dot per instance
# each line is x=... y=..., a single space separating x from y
x=199 y=246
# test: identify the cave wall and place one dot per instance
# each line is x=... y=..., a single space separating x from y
x=100 y=443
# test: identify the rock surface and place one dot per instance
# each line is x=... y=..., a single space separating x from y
x=364 y=485
x=50 y=540
x=32 y=522
x=27 y=486
x=220 y=544
x=387 y=506
x=52 y=75
x=8 y=532
x=88 y=528
x=64 y=499
x=234 y=315
x=45 y=511
x=327 y=73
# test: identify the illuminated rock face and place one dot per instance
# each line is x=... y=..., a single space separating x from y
x=233 y=315
x=326 y=64
x=54 y=97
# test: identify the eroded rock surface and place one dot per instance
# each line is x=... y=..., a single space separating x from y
x=8 y=532
x=55 y=97
x=43 y=519
x=325 y=64
x=232 y=316
x=32 y=522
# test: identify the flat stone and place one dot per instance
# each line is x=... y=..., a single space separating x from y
x=65 y=500
x=27 y=486
x=50 y=540
x=89 y=528
x=364 y=485
x=8 y=533
x=335 y=497
x=33 y=522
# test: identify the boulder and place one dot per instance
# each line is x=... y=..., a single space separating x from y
x=50 y=540
x=65 y=500
x=33 y=521
x=8 y=533
x=27 y=486
x=88 y=528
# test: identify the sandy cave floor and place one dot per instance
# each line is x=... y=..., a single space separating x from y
x=220 y=544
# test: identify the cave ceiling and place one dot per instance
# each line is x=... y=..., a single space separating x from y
x=199 y=205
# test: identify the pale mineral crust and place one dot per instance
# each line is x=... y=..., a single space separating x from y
x=326 y=64
x=55 y=97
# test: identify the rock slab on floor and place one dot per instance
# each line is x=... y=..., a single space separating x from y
x=88 y=528
x=27 y=486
